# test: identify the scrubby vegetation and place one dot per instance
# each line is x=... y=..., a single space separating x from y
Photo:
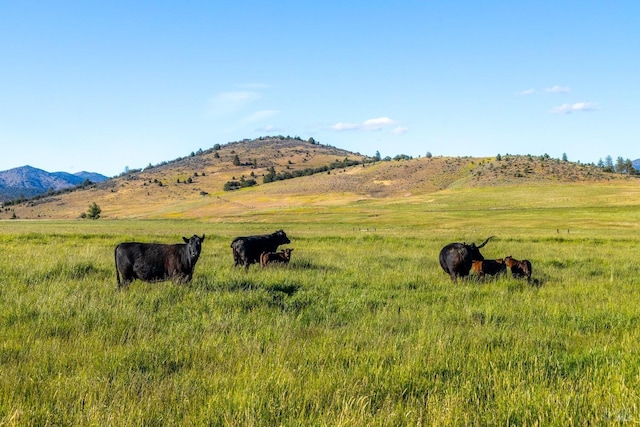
x=236 y=185
x=272 y=175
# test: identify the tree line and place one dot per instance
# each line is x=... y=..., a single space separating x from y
x=621 y=165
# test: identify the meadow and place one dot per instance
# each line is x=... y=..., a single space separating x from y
x=363 y=328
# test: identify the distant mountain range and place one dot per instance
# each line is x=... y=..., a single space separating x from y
x=27 y=181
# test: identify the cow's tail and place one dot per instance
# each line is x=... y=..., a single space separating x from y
x=115 y=257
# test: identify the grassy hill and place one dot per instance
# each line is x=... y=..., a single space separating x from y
x=193 y=187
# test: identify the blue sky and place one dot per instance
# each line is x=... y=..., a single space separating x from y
x=101 y=86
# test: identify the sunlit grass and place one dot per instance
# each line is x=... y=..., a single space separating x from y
x=361 y=328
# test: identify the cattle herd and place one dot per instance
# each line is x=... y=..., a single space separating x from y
x=154 y=262
x=459 y=259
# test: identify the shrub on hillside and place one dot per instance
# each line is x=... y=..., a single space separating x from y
x=236 y=185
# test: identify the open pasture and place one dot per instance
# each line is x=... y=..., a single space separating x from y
x=361 y=328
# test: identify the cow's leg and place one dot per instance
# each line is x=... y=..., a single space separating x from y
x=126 y=280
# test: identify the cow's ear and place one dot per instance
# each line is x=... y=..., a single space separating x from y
x=202 y=239
x=185 y=240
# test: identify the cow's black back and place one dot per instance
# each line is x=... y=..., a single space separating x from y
x=247 y=249
x=153 y=262
x=456 y=258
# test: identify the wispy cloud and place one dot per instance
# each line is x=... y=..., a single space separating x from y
x=344 y=126
x=254 y=86
x=552 y=89
x=260 y=115
x=268 y=128
x=558 y=89
x=376 y=124
x=574 y=108
x=526 y=92
x=231 y=102
x=400 y=130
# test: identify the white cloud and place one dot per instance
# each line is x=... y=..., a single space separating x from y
x=400 y=130
x=260 y=115
x=254 y=86
x=268 y=128
x=230 y=102
x=558 y=89
x=576 y=107
x=345 y=126
x=376 y=124
x=526 y=92
x=552 y=89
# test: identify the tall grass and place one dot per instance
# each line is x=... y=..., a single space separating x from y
x=362 y=328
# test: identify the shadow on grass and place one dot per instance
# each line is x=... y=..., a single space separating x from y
x=287 y=289
x=244 y=284
x=512 y=283
x=307 y=264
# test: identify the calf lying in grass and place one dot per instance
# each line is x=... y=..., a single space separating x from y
x=283 y=257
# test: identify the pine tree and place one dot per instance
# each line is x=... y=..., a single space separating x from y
x=94 y=211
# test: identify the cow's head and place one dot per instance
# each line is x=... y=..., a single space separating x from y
x=194 y=246
x=475 y=250
x=281 y=237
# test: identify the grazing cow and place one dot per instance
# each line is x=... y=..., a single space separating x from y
x=155 y=262
x=247 y=250
x=519 y=269
x=283 y=257
x=489 y=267
x=456 y=258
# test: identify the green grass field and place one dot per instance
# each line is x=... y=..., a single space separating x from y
x=363 y=328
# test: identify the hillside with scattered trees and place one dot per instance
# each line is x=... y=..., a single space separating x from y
x=276 y=172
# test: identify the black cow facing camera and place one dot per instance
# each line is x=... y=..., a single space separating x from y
x=247 y=250
x=155 y=262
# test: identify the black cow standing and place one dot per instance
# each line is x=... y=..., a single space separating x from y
x=456 y=258
x=155 y=262
x=247 y=250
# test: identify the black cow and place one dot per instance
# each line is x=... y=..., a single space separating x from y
x=155 y=262
x=456 y=258
x=247 y=250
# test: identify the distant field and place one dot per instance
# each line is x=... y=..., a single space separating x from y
x=362 y=328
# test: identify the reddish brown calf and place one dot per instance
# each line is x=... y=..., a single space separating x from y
x=519 y=268
x=491 y=267
x=283 y=256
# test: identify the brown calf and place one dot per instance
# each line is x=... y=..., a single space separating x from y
x=519 y=268
x=283 y=256
x=491 y=267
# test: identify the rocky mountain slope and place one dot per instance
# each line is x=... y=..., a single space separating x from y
x=27 y=181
